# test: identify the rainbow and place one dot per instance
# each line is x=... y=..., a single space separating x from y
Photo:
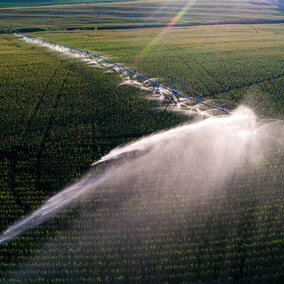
x=166 y=29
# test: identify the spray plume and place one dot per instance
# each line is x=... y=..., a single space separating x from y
x=197 y=157
x=180 y=102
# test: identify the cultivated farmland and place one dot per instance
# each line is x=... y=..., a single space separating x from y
x=59 y=115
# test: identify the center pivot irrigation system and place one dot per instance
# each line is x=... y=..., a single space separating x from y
x=174 y=94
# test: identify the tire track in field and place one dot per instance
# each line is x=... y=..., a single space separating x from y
x=173 y=51
x=49 y=22
x=50 y=124
x=27 y=129
x=47 y=131
x=222 y=88
x=19 y=154
x=228 y=89
x=28 y=125
x=219 y=83
x=38 y=105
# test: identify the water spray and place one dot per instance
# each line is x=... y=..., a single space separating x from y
x=170 y=94
x=199 y=157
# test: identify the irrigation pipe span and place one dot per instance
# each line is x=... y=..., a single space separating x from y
x=175 y=94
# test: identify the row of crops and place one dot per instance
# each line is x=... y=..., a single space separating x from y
x=228 y=63
x=134 y=14
x=233 y=234
x=57 y=117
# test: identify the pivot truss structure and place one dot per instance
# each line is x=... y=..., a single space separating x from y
x=174 y=96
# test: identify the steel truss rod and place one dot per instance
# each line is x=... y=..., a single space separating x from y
x=174 y=93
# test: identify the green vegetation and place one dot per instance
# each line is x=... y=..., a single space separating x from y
x=29 y=3
x=220 y=62
x=143 y=13
x=233 y=235
x=58 y=116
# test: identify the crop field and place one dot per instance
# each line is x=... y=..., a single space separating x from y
x=58 y=115
x=232 y=63
x=144 y=13
x=54 y=116
x=29 y=3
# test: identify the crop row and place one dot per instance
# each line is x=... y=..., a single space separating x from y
x=57 y=123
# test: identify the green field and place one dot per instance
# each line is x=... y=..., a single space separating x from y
x=29 y=3
x=145 y=13
x=55 y=126
x=235 y=64
x=58 y=116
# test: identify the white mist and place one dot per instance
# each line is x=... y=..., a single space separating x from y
x=196 y=157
